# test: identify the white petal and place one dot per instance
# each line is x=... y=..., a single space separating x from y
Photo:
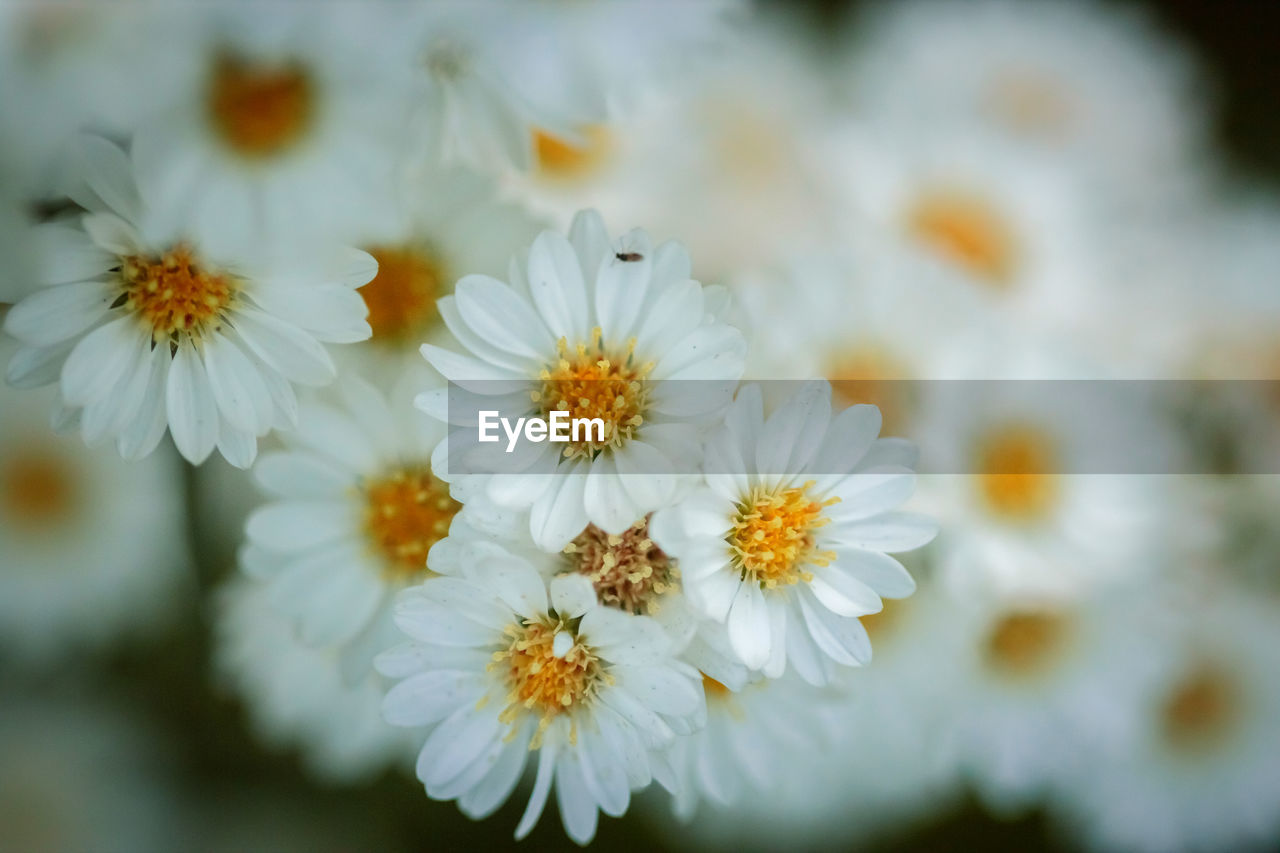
x=112 y=233
x=33 y=367
x=101 y=360
x=67 y=254
x=296 y=355
x=578 y=810
x=749 y=626
x=557 y=288
x=892 y=532
x=107 y=171
x=431 y=696
x=561 y=514
x=660 y=688
x=494 y=312
x=572 y=595
x=238 y=390
x=300 y=474
x=192 y=412
x=541 y=790
x=54 y=314
x=291 y=526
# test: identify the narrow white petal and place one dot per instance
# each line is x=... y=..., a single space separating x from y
x=192 y=412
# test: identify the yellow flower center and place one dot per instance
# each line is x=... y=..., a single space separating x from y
x=967 y=230
x=260 y=110
x=871 y=374
x=407 y=511
x=773 y=536
x=1023 y=643
x=1015 y=465
x=627 y=570
x=539 y=680
x=175 y=293
x=714 y=689
x=590 y=382
x=37 y=488
x=1200 y=709
x=402 y=296
x=564 y=160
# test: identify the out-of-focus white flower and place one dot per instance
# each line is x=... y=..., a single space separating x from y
x=725 y=162
x=268 y=124
x=438 y=226
x=19 y=275
x=82 y=776
x=482 y=80
x=859 y=319
x=614 y=330
x=754 y=734
x=297 y=695
x=786 y=542
x=1096 y=91
x=355 y=511
x=1022 y=240
x=1043 y=487
x=500 y=668
x=144 y=329
x=67 y=67
x=1201 y=774
x=878 y=728
x=1042 y=683
x=72 y=573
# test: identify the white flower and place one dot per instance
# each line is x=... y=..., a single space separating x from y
x=482 y=79
x=854 y=318
x=1024 y=241
x=439 y=225
x=616 y=331
x=270 y=123
x=786 y=543
x=355 y=510
x=1094 y=90
x=1046 y=487
x=74 y=573
x=1043 y=683
x=1201 y=774
x=891 y=715
x=501 y=670
x=754 y=735
x=143 y=329
x=299 y=696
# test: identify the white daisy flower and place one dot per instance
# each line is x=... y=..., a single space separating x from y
x=298 y=696
x=1201 y=775
x=67 y=67
x=1043 y=683
x=439 y=225
x=1095 y=90
x=144 y=329
x=355 y=511
x=500 y=669
x=616 y=331
x=754 y=734
x=893 y=720
x=856 y=319
x=1044 y=488
x=786 y=543
x=270 y=124
x=1022 y=240
x=482 y=79
x=71 y=576
x=80 y=775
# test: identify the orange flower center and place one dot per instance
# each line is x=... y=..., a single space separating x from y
x=407 y=512
x=561 y=159
x=1015 y=473
x=589 y=382
x=539 y=680
x=628 y=571
x=260 y=110
x=175 y=293
x=1199 y=711
x=402 y=296
x=969 y=232
x=37 y=488
x=1023 y=643
x=772 y=539
x=870 y=374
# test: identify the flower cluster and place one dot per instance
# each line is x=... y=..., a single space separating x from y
x=269 y=268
